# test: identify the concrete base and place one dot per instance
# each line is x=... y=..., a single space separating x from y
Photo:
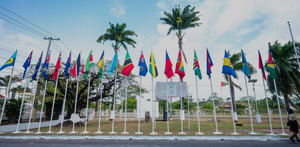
x=153 y=133
x=217 y=133
x=199 y=133
x=138 y=133
x=168 y=133
x=125 y=132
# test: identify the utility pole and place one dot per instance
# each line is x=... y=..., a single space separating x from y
x=50 y=40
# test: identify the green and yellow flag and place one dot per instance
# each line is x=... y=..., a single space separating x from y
x=271 y=67
x=100 y=65
x=152 y=66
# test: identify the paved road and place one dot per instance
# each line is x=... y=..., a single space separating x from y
x=142 y=143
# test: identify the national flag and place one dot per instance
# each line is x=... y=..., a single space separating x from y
x=209 y=64
x=113 y=64
x=27 y=64
x=227 y=66
x=246 y=69
x=261 y=66
x=100 y=65
x=88 y=65
x=83 y=70
x=196 y=66
x=128 y=66
x=168 y=67
x=57 y=67
x=46 y=66
x=10 y=61
x=271 y=67
x=223 y=84
x=179 y=66
x=142 y=65
x=152 y=66
x=37 y=67
x=76 y=68
x=67 y=67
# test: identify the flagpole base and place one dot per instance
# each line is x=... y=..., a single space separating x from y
x=125 y=133
x=168 y=133
x=271 y=134
x=182 y=133
x=99 y=132
x=84 y=132
x=283 y=134
x=38 y=132
x=252 y=133
x=49 y=132
x=138 y=133
x=153 y=133
x=199 y=133
x=27 y=132
x=217 y=133
x=60 y=132
x=235 y=133
x=112 y=132
x=16 y=132
x=73 y=132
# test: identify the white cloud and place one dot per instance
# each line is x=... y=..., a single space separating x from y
x=117 y=9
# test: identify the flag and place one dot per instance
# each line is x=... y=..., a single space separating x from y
x=168 y=67
x=261 y=66
x=209 y=63
x=227 y=66
x=10 y=61
x=246 y=69
x=271 y=67
x=46 y=66
x=128 y=66
x=113 y=64
x=67 y=67
x=100 y=65
x=37 y=67
x=27 y=64
x=88 y=65
x=179 y=66
x=76 y=68
x=142 y=65
x=152 y=66
x=57 y=67
x=223 y=84
x=196 y=66
x=83 y=70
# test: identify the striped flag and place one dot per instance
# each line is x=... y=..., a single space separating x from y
x=227 y=66
x=128 y=66
x=168 y=67
x=196 y=66
x=57 y=67
x=152 y=66
x=76 y=68
x=209 y=64
x=261 y=66
x=100 y=65
x=179 y=66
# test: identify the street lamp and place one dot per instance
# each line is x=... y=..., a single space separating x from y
x=258 y=118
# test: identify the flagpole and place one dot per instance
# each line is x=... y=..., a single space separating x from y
x=99 y=109
x=214 y=109
x=125 y=114
x=63 y=108
x=198 y=111
x=232 y=113
x=249 y=107
x=181 y=110
x=279 y=109
x=153 y=116
x=21 y=107
x=189 y=114
x=139 y=116
x=75 y=105
x=297 y=57
x=53 y=103
x=87 y=105
x=33 y=101
x=113 y=112
x=41 y=112
x=268 y=109
x=168 y=122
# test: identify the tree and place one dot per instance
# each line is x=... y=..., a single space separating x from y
x=120 y=36
x=237 y=64
x=287 y=72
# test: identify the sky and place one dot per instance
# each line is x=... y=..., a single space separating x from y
x=225 y=25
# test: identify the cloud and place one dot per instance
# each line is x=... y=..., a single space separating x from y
x=117 y=9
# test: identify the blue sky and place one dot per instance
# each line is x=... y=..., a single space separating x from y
x=232 y=25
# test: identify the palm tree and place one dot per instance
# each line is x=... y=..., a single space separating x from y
x=287 y=72
x=5 y=80
x=237 y=66
x=120 y=36
x=179 y=20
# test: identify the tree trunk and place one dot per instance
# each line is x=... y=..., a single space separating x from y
x=287 y=102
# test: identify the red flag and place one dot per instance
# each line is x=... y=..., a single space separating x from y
x=57 y=66
x=261 y=66
x=128 y=65
x=168 y=68
x=74 y=71
x=82 y=71
x=179 y=66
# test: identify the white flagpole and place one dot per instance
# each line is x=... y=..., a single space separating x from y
x=63 y=108
x=139 y=116
x=249 y=107
x=168 y=121
x=257 y=112
x=41 y=112
x=75 y=105
x=113 y=112
x=21 y=108
x=36 y=88
x=153 y=116
x=99 y=109
x=125 y=114
x=53 y=103
x=279 y=109
x=269 y=115
x=198 y=111
x=214 y=109
x=232 y=113
x=181 y=111
x=87 y=105
x=297 y=57
x=189 y=114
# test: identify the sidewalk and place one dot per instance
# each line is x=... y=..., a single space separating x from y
x=23 y=126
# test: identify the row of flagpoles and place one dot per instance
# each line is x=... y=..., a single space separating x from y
x=126 y=70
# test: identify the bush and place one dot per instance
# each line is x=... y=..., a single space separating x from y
x=12 y=110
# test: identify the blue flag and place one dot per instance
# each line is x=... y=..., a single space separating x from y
x=246 y=69
x=113 y=64
x=10 y=61
x=37 y=67
x=143 y=65
x=46 y=66
x=227 y=66
x=68 y=64
x=27 y=64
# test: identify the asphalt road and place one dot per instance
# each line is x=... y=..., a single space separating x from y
x=142 y=143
